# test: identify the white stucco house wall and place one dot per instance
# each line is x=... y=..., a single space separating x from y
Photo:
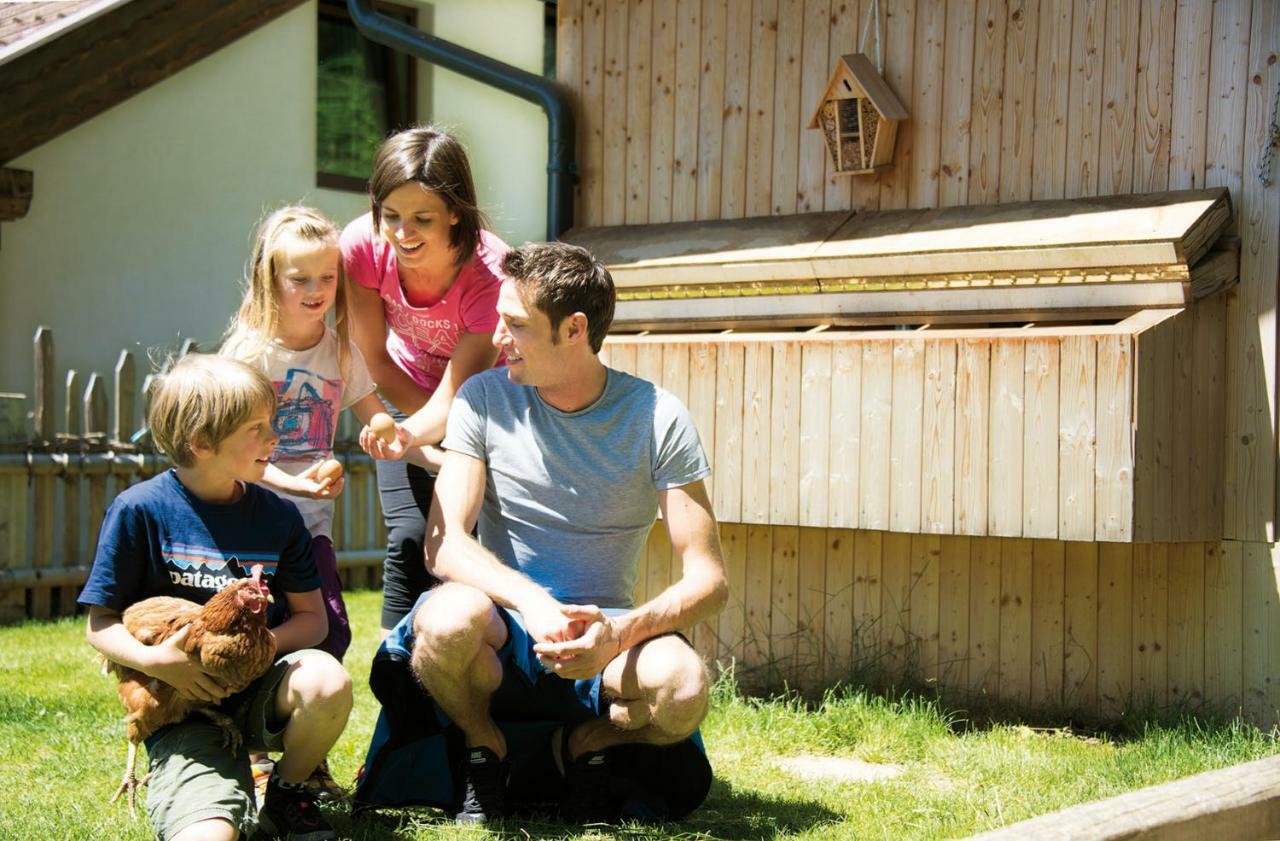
x=141 y=216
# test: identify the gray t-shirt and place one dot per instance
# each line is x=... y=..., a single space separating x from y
x=570 y=496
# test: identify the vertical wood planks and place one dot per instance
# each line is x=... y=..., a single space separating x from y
x=1208 y=419
x=591 y=113
x=1048 y=612
x=846 y=435
x=811 y=606
x=757 y=458
x=843 y=38
x=1040 y=439
x=703 y=358
x=684 y=169
x=1115 y=626
x=815 y=433
x=1004 y=516
x=1076 y=437
x=895 y=604
x=926 y=551
x=662 y=116
x=613 y=207
x=711 y=108
x=1188 y=115
x=758 y=644
x=953 y=612
x=783 y=473
x=1116 y=139
x=1115 y=504
x=759 y=109
x=973 y=385
x=873 y=470
x=1080 y=630
x=1018 y=121
x=1258 y=606
x=1184 y=485
x=1154 y=101
x=569 y=58
x=815 y=70
x=1150 y=623
x=1053 y=75
x=1084 y=102
x=868 y=555
x=789 y=109
x=1015 y=620
x=1223 y=626
x=839 y=621
x=957 y=104
x=988 y=102
x=1186 y=617
x=905 y=435
x=732 y=622
x=899 y=67
x=639 y=98
x=984 y=616
x=727 y=483
x=937 y=504
x=926 y=105
x=737 y=80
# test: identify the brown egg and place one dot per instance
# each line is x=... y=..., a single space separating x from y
x=384 y=427
x=331 y=469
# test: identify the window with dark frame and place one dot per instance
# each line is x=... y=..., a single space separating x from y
x=364 y=92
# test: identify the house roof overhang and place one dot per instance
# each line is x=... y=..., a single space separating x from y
x=1048 y=259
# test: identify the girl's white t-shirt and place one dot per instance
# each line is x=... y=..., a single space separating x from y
x=311 y=393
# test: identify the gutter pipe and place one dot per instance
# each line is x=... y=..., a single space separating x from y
x=554 y=100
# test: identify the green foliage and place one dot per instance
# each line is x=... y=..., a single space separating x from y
x=62 y=750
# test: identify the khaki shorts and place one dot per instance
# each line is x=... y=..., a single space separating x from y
x=193 y=775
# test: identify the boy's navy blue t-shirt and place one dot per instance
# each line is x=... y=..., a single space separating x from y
x=158 y=539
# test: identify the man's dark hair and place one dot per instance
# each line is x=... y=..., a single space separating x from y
x=561 y=279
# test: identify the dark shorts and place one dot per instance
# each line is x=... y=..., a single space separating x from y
x=196 y=778
x=416 y=751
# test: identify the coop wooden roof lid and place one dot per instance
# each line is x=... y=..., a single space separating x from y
x=1115 y=232
x=864 y=75
x=1107 y=253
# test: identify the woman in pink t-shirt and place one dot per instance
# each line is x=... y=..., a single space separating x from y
x=423 y=277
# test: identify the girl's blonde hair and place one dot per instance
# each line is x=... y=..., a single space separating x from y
x=254 y=326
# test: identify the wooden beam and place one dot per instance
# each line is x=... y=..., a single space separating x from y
x=16 y=189
x=89 y=69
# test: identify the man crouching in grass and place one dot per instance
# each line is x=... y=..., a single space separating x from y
x=564 y=464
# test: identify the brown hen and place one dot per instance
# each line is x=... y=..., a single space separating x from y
x=228 y=634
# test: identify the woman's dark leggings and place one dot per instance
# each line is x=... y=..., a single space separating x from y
x=405 y=492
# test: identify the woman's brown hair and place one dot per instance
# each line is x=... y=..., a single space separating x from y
x=435 y=159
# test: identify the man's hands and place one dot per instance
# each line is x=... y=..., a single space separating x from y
x=170 y=663
x=581 y=643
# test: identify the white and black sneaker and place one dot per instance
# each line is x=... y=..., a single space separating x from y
x=485 y=787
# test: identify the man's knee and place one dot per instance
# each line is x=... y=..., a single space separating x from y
x=452 y=622
x=213 y=829
x=674 y=680
x=318 y=681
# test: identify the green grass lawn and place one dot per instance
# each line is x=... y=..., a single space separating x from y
x=62 y=750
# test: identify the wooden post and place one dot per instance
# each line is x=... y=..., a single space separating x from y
x=13 y=504
x=44 y=385
x=71 y=492
x=95 y=408
x=126 y=384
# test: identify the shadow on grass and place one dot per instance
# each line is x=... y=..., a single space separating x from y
x=730 y=814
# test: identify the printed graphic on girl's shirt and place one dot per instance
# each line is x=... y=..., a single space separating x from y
x=305 y=418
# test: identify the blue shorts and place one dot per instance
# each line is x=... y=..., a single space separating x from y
x=413 y=759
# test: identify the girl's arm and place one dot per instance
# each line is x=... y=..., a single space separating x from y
x=474 y=353
x=304 y=484
x=369 y=323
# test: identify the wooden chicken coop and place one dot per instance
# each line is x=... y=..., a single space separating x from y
x=999 y=416
x=859 y=117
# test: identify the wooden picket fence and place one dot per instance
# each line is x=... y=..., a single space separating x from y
x=60 y=471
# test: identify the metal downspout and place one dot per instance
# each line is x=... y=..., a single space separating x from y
x=561 y=131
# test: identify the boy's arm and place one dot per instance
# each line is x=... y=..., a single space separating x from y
x=164 y=661
x=307 y=624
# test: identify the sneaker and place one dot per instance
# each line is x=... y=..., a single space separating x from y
x=291 y=813
x=485 y=778
x=588 y=790
x=323 y=787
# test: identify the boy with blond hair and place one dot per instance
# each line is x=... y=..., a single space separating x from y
x=189 y=532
